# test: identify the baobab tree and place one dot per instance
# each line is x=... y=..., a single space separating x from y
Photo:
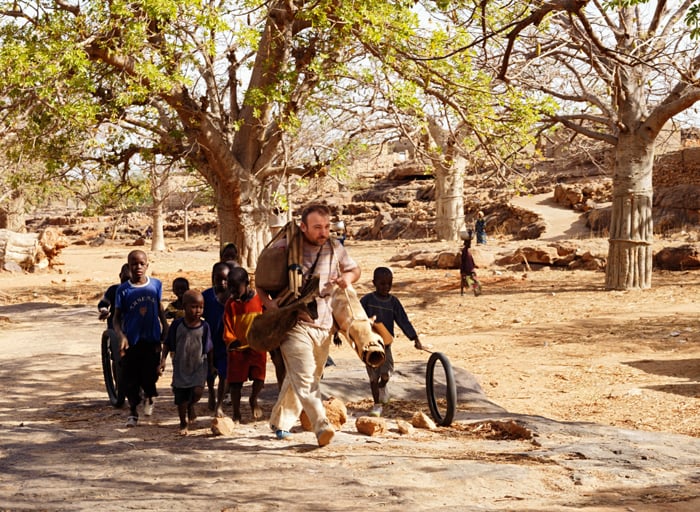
x=619 y=70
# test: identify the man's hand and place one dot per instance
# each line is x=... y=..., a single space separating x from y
x=417 y=344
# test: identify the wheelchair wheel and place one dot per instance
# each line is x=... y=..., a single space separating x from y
x=111 y=367
x=441 y=389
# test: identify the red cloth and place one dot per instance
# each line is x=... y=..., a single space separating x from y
x=246 y=364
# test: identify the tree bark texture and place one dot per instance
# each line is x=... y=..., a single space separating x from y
x=629 y=264
x=12 y=214
x=158 y=185
x=244 y=225
x=449 y=201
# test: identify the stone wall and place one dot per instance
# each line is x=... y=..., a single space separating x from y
x=677 y=168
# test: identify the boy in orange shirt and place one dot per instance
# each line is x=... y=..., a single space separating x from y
x=243 y=362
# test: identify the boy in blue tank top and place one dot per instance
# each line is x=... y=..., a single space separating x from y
x=140 y=323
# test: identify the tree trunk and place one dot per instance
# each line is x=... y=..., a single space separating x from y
x=449 y=200
x=19 y=248
x=12 y=215
x=158 y=237
x=247 y=229
x=629 y=263
x=187 y=224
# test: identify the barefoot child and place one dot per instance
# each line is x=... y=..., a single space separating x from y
x=140 y=324
x=214 y=301
x=243 y=362
x=387 y=309
x=189 y=340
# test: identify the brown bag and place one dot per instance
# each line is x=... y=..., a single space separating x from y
x=272 y=270
x=269 y=329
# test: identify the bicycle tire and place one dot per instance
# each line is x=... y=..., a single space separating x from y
x=450 y=389
x=111 y=367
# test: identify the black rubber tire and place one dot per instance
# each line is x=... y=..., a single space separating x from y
x=450 y=389
x=111 y=367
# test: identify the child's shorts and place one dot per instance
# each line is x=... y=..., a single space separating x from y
x=184 y=395
x=246 y=364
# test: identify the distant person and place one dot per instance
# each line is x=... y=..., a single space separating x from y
x=189 y=341
x=140 y=323
x=467 y=268
x=214 y=301
x=340 y=231
x=387 y=309
x=106 y=304
x=480 y=228
x=176 y=309
x=244 y=363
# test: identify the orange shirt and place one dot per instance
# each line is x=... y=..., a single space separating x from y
x=238 y=316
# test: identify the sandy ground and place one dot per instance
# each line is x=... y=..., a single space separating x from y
x=585 y=370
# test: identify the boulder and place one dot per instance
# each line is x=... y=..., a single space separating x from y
x=421 y=420
x=404 y=427
x=336 y=412
x=683 y=257
x=223 y=426
x=425 y=259
x=370 y=426
x=448 y=260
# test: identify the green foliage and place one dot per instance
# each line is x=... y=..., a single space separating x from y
x=91 y=85
x=692 y=19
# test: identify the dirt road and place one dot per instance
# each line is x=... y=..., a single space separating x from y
x=605 y=383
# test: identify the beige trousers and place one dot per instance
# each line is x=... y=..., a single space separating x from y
x=304 y=350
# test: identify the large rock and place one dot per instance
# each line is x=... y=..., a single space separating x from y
x=678 y=258
x=370 y=426
x=421 y=420
x=676 y=207
x=336 y=412
x=448 y=260
x=530 y=255
x=223 y=426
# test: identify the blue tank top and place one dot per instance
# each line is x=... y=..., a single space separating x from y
x=139 y=306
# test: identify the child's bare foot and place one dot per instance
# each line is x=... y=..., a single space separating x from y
x=219 y=412
x=212 y=402
x=183 y=429
x=237 y=418
x=255 y=409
